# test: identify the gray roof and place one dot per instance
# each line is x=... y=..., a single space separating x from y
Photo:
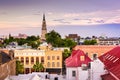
x=5 y=57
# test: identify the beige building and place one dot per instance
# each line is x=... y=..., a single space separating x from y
x=29 y=57
x=51 y=59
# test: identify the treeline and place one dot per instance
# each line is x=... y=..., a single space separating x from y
x=55 y=39
x=32 y=41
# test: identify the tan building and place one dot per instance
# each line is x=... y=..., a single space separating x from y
x=51 y=59
x=29 y=57
x=94 y=50
x=7 y=65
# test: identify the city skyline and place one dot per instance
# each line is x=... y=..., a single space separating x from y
x=83 y=17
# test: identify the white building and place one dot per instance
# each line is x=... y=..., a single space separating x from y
x=76 y=66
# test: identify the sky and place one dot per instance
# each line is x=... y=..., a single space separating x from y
x=82 y=17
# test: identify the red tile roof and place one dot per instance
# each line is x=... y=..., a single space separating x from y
x=75 y=59
x=111 y=60
x=107 y=77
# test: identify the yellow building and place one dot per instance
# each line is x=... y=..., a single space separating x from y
x=29 y=57
x=51 y=59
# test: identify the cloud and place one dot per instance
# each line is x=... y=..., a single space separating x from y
x=71 y=15
x=3 y=13
x=63 y=21
x=58 y=20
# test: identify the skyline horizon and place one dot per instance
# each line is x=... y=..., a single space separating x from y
x=84 y=17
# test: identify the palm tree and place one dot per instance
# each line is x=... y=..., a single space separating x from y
x=38 y=67
x=19 y=68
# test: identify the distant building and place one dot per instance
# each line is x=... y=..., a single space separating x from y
x=94 y=51
x=14 y=45
x=74 y=37
x=7 y=64
x=24 y=36
x=44 y=29
x=109 y=41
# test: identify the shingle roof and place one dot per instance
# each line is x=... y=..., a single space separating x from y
x=5 y=57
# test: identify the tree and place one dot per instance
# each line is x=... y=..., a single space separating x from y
x=38 y=67
x=90 y=42
x=19 y=68
x=54 y=38
x=66 y=53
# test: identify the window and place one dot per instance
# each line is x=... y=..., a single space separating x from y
x=37 y=59
x=48 y=64
x=48 y=57
x=42 y=60
x=27 y=60
x=58 y=64
x=58 y=58
x=32 y=60
x=53 y=64
x=22 y=59
x=94 y=56
x=17 y=58
x=73 y=73
x=82 y=58
x=53 y=57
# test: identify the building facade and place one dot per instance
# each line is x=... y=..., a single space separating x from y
x=29 y=57
x=109 y=41
x=51 y=60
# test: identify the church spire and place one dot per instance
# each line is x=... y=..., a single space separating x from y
x=43 y=17
x=44 y=29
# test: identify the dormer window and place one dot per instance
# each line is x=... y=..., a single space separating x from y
x=82 y=58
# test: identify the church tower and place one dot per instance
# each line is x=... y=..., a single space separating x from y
x=44 y=29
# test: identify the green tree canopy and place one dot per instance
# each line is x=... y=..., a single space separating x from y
x=55 y=39
x=19 y=68
x=38 y=67
x=90 y=42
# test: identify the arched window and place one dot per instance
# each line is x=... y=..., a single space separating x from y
x=37 y=59
x=22 y=60
x=27 y=60
x=58 y=58
x=58 y=64
x=53 y=57
x=32 y=60
x=53 y=64
x=48 y=64
x=48 y=57
x=42 y=60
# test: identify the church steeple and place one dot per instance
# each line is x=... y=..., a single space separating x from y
x=43 y=17
x=44 y=29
